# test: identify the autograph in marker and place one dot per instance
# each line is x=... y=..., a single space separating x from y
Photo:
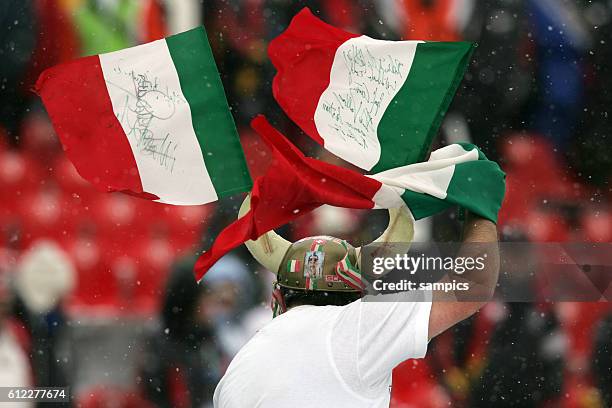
x=371 y=80
x=142 y=107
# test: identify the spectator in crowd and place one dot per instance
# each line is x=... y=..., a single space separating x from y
x=45 y=276
x=561 y=38
x=232 y=284
x=183 y=360
x=15 y=368
x=480 y=367
x=527 y=371
x=590 y=153
x=17 y=42
x=602 y=360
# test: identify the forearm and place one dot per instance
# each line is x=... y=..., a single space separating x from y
x=480 y=241
x=448 y=308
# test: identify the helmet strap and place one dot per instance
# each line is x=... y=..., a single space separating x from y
x=347 y=272
x=278 y=301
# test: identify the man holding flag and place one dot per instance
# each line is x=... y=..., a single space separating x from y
x=152 y=121
x=328 y=347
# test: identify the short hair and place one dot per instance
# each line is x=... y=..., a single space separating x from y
x=297 y=297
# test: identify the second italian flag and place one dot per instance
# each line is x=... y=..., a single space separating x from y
x=374 y=103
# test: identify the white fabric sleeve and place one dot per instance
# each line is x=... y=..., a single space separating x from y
x=373 y=335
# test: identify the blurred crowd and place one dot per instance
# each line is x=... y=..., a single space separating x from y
x=96 y=290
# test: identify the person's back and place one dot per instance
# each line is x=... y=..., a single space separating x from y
x=326 y=356
x=329 y=347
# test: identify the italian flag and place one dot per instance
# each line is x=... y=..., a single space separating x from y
x=294 y=265
x=455 y=175
x=151 y=121
x=374 y=103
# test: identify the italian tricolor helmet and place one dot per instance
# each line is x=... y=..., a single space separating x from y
x=322 y=263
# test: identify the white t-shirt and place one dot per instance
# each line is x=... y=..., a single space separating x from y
x=328 y=356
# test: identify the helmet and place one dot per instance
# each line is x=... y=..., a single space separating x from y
x=320 y=263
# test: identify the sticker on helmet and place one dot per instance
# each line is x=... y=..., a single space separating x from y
x=294 y=265
x=313 y=262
